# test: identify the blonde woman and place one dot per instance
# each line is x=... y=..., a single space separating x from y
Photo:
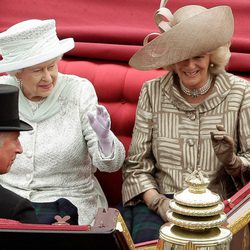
x=194 y=117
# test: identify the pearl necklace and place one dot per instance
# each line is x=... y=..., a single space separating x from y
x=197 y=92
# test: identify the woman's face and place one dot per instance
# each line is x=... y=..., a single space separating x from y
x=193 y=72
x=39 y=80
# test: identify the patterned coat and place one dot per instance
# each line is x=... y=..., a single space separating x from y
x=171 y=138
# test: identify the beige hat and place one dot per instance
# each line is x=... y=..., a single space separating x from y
x=31 y=42
x=191 y=31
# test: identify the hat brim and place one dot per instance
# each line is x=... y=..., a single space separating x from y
x=64 y=46
x=23 y=126
x=196 y=35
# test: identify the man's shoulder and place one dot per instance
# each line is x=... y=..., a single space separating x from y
x=8 y=195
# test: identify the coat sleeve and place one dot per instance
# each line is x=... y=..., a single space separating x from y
x=244 y=135
x=88 y=102
x=139 y=166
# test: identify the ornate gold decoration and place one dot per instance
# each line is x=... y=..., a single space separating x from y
x=125 y=232
x=237 y=225
x=199 y=211
x=194 y=216
x=196 y=207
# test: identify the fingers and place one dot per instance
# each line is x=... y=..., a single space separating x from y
x=100 y=118
x=228 y=139
x=101 y=111
x=219 y=134
x=91 y=117
x=220 y=127
x=103 y=116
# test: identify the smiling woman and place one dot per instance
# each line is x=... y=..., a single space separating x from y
x=37 y=82
x=194 y=117
x=71 y=136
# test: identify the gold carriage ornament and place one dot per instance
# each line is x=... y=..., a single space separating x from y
x=195 y=218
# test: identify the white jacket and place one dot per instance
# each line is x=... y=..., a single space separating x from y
x=61 y=153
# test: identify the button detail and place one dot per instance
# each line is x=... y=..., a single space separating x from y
x=190 y=142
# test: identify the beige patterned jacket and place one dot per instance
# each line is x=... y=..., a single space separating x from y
x=171 y=138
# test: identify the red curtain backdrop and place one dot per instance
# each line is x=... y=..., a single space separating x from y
x=114 y=29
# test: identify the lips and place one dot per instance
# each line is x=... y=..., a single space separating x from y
x=46 y=87
x=191 y=74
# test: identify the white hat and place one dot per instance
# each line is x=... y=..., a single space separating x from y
x=29 y=43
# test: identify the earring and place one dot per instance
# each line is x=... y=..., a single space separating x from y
x=211 y=65
x=19 y=81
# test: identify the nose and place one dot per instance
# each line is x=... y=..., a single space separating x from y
x=19 y=148
x=190 y=63
x=46 y=75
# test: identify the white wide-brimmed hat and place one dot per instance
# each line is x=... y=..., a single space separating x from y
x=191 y=31
x=31 y=42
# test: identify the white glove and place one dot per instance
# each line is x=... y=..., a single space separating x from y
x=101 y=123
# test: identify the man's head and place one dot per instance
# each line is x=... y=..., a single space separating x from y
x=10 y=125
x=9 y=147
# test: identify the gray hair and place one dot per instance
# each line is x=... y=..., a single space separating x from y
x=14 y=72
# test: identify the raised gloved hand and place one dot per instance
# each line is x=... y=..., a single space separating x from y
x=223 y=146
x=159 y=204
x=100 y=122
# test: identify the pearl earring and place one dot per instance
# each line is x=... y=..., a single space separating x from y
x=19 y=81
x=211 y=65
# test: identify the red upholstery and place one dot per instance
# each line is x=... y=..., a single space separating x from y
x=117 y=87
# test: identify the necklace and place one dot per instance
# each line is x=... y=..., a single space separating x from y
x=197 y=92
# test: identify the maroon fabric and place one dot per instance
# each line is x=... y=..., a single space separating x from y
x=242 y=194
x=114 y=30
x=16 y=225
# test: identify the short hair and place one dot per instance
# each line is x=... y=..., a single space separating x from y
x=14 y=72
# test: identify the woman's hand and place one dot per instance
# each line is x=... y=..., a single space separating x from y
x=223 y=146
x=101 y=123
x=156 y=202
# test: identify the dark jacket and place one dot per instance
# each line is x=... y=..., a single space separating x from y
x=15 y=207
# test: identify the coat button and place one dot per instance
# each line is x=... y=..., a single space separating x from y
x=29 y=154
x=190 y=142
x=192 y=117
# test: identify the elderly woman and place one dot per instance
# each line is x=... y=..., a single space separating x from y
x=71 y=136
x=194 y=117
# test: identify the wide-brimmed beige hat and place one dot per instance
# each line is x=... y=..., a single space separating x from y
x=191 y=31
x=29 y=43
